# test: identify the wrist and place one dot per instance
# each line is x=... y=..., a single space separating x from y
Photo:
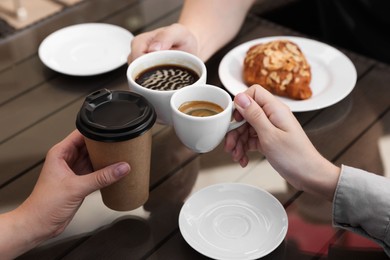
x=322 y=179
x=18 y=233
x=31 y=223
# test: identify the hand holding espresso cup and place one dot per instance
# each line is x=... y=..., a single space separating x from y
x=202 y=115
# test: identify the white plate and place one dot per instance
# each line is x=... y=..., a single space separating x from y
x=333 y=74
x=86 y=49
x=233 y=221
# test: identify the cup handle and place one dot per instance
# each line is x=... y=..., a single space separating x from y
x=235 y=124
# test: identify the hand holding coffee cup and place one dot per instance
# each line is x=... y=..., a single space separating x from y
x=202 y=115
x=117 y=127
x=157 y=75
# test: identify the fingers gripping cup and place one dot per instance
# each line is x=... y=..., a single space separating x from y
x=116 y=126
x=157 y=75
x=202 y=115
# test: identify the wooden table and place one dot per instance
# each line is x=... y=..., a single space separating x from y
x=39 y=107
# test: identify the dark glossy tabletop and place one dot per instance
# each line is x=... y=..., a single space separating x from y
x=38 y=108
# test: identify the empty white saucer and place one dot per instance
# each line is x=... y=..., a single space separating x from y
x=233 y=221
x=86 y=49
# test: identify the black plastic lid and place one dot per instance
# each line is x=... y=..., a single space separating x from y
x=113 y=116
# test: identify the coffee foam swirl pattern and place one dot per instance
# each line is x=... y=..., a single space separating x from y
x=167 y=78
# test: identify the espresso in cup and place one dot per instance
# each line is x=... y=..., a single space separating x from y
x=200 y=133
x=167 y=77
x=200 y=108
x=182 y=70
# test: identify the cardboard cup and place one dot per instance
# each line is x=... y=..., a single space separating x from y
x=132 y=191
x=117 y=127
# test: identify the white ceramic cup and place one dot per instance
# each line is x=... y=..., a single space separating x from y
x=160 y=98
x=203 y=134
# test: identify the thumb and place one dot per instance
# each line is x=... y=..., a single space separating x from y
x=252 y=113
x=175 y=36
x=104 y=177
x=163 y=40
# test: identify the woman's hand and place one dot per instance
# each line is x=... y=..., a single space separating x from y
x=273 y=130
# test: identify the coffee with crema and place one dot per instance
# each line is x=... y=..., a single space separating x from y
x=166 y=77
x=200 y=108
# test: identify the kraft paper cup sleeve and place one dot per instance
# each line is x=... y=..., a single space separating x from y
x=132 y=191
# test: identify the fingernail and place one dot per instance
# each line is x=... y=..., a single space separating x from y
x=242 y=100
x=156 y=46
x=121 y=169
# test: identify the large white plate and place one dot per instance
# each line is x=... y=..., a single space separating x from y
x=86 y=49
x=333 y=74
x=233 y=221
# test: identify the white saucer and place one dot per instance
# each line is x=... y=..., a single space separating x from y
x=233 y=221
x=333 y=74
x=86 y=49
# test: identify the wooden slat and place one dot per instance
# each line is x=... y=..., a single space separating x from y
x=39 y=103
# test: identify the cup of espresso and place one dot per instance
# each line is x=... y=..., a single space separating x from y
x=117 y=127
x=201 y=116
x=157 y=75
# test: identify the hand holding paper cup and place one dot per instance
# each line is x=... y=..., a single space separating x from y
x=117 y=127
x=202 y=115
